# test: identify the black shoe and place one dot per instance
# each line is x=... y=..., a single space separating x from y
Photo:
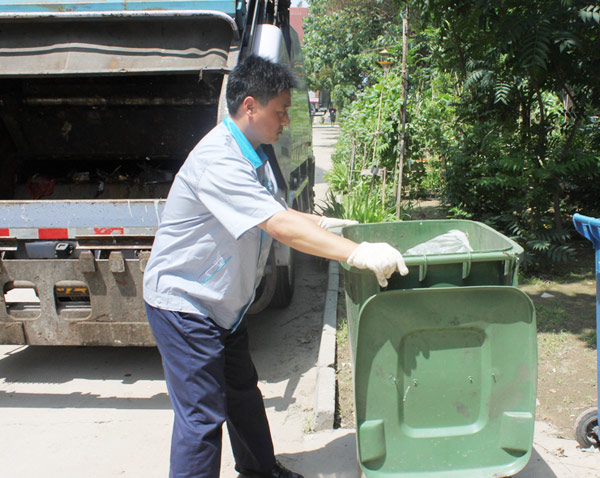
x=278 y=471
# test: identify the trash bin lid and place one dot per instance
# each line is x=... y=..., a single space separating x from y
x=445 y=382
x=588 y=227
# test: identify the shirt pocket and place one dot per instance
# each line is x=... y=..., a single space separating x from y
x=211 y=271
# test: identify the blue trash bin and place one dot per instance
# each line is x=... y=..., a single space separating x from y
x=586 y=425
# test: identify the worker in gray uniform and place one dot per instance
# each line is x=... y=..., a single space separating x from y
x=220 y=217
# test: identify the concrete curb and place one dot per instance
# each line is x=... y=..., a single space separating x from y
x=325 y=389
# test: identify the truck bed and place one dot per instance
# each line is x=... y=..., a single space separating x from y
x=106 y=104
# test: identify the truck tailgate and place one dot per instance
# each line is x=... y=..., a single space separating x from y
x=76 y=43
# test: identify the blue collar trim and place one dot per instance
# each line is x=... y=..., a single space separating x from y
x=256 y=157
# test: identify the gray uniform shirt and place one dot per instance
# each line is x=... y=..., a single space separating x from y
x=208 y=255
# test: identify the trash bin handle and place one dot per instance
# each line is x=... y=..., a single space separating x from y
x=466 y=269
x=423 y=269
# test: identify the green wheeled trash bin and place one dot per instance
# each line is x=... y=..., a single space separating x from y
x=445 y=359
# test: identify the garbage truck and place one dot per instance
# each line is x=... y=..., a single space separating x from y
x=100 y=103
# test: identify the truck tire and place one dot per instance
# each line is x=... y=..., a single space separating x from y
x=284 y=283
x=276 y=287
x=264 y=293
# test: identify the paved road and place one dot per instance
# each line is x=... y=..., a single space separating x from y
x=324 y=138
x=104 y=412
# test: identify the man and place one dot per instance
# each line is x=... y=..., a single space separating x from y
x=332 y=112
x=207 y=259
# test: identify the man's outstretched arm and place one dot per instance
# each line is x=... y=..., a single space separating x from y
x=301 y=232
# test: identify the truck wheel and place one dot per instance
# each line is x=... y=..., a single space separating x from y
x=284 y=283
x=276 y=287
x=586 y=428
x=264 y=293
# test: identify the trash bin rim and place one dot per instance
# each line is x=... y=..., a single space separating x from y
x=511 y=253
x=504 y=289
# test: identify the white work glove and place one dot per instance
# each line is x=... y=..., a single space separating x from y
x=330 y=223
x=379 y=257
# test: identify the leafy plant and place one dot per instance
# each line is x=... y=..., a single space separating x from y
x=339 y=175
x=362 y=205
x=341 y=44
x=342 y=330
x=456 y=212
x=543 y=245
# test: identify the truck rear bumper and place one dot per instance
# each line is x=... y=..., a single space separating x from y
x=83 y=285
x=83 y=301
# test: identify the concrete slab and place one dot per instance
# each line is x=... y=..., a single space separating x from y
x=324 y=138
x=74 y=411
x=99 y=412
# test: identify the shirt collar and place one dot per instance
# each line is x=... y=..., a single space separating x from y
x=256 y=156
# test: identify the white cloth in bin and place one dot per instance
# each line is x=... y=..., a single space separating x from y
x=452 y=242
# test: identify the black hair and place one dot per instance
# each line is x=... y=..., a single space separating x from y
x=257 y=77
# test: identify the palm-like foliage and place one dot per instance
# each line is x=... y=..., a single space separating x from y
x=528 y=156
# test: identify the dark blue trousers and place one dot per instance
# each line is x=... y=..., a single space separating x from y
x=211 y=379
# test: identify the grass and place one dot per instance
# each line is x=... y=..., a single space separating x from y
x=342 y=330
x=362 y=205
x=590 y=338
x=552 y=345
x=533 y=280
x=560 y=278
x=308 y=425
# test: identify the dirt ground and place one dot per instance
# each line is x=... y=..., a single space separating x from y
x=566 y=314
x=344 y=417
x=565 y=302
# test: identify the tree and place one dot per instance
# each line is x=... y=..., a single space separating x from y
x=341 y=44
x=528 y=102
